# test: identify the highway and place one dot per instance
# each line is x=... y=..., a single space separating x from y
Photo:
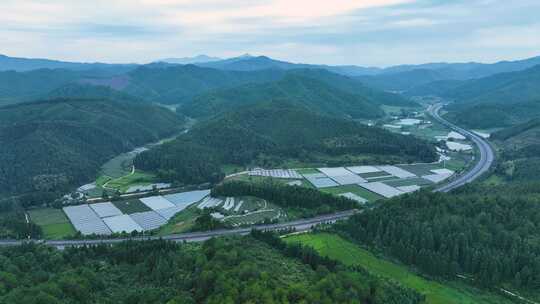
x=487 y=156
x=298 y=225
x=482 y=166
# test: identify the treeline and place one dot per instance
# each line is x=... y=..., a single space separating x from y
x=13 y=223
x=309 y=201
x=491 y=238
x=271 y=135
x=235 y=270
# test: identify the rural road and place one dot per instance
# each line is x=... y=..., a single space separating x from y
x=487 y=156
x=486 y=160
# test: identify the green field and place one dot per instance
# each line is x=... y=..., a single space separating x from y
x=370 y=196
x=131 y=206
x=308 y=171
x=409 y=182
x=421 y=169
x=181 y=222
x=138 y=178
x=119 y=166
x=348 y=253
x=53 y=222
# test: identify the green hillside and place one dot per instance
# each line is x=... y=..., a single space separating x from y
x=307 y=92
x=223 y=270
x=178 y=84
x=497 y=101
x=520 y=151
x=86 y=91
x=50 y=145
x=402 y=81
x=273 y=134
x=488 y=236
x=316 y=90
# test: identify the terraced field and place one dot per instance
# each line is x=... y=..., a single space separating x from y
x=54 y=222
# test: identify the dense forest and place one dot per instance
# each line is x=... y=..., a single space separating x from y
x=53 y=144
x=233 y=270
x=317 y=90
x=269 y=135
x=306 y=201
x=519 y=158
x=487 y=234
x=500 y=100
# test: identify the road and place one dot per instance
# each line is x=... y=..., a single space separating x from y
x=298 y=225
x=487 y=156
x=482 y=166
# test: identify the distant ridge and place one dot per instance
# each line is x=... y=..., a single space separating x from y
x=190 y=60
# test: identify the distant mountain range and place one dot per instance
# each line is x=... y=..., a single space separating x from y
x=439 y=71
x=190 y=60
x=29 y=64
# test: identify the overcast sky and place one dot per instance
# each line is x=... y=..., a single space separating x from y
x=361 y=32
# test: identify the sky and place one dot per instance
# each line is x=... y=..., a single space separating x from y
x=337 y=32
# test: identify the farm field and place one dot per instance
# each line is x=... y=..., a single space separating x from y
x=119 y=166
x=409 y=182
x=182 y=222
x=370 y=196
x=54 y=222
x=436 y=292
x=131 y=206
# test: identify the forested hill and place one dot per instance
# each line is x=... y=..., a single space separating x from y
x=49 y=145
x=319 y=91
x=220 y=271
x=497 y=101
x=271 y=135
x=489 y=235
x=520 y=151
x=178 y=84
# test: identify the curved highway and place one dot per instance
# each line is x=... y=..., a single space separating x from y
x=487 y=156
x=483 y=165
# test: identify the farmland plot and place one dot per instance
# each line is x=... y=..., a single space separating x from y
x=382 y=189
x=363 y=169
x=276 y=173
x=85 y=220
x=209 y=202
x=342 y=176
x=168 y=213
x=397 y=172
x=149 y=220
x=187 y=198
x=122 y=223
x=105 y=209
x=156 y=202
x=319 y=180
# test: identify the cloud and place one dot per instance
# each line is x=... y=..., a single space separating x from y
x=368 y=32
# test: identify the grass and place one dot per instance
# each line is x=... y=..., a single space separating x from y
x=374 y=174
x=53 y=222
x=408 y=182
x=119 y=166
x=131 y=206
x=420 y=169
x=122 y=184
x=308 y=171
x=370 y=196
x=436 y=292
x=182 y=222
